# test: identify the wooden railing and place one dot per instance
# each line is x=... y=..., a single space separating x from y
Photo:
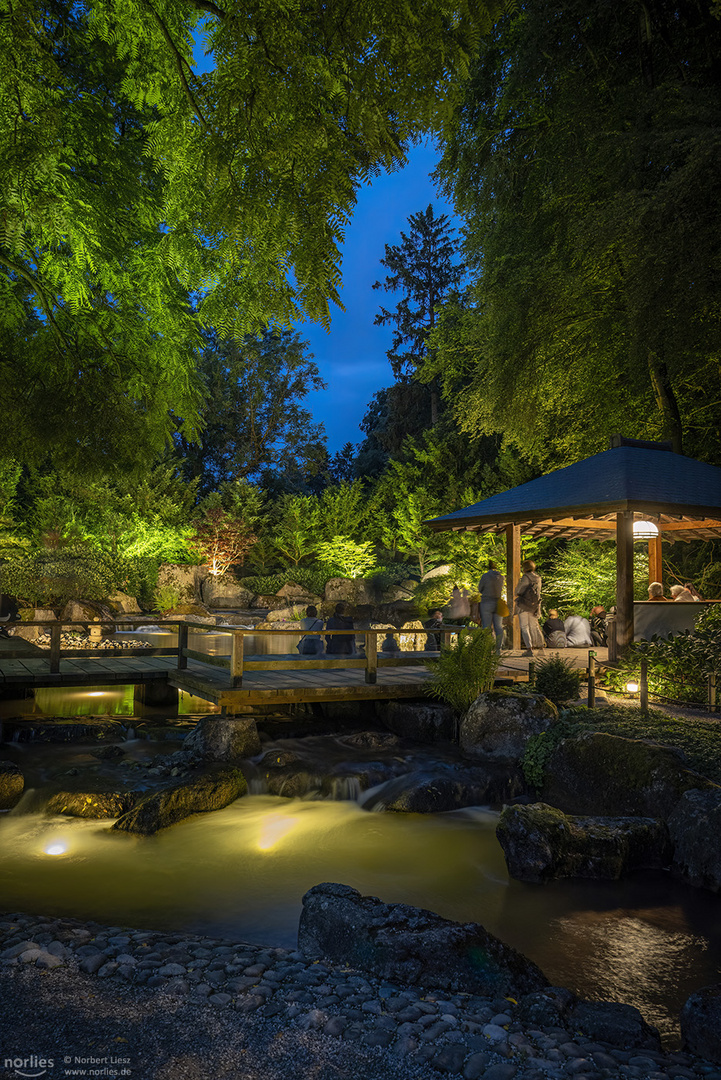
x=236 y=662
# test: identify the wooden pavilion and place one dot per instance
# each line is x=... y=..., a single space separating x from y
x=602 y=497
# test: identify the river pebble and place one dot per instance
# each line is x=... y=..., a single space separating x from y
x=458 y=1035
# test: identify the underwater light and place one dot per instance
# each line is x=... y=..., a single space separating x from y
x=273 y=830
x=57 y=848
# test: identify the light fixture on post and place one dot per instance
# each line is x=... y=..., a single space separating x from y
x=645 y=530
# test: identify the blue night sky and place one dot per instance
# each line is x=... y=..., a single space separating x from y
x=352 y=357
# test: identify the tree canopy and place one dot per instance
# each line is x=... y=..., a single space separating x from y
x=135 y=190
x=586 y=160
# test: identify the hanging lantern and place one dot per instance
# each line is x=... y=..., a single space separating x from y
x=644 y=530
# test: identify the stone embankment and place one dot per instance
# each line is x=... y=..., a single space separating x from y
x=411 y=1031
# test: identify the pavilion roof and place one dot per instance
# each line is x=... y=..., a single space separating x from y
x=682 y=495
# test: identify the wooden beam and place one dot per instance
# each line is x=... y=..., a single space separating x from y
x=624 y=579
x=576 y=523
x=655 y=564
x=682 y=526
x=513 y=576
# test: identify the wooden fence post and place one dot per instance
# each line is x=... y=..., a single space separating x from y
x=643 y=687
x=236 y=659
x=712 y=691
x=591 y=679
x=371 y=637
x=182 y=645
x=55 y=631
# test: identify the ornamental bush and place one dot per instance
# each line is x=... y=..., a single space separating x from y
x=557 y=680
x=465 y=670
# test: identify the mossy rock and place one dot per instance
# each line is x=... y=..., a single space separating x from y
x=499 y=723
x=211 y=790
x=12 y=784
x=606 y=775
x=541 y=843
x=96 y=804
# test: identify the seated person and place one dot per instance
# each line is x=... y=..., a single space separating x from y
x=655 y=591
x=681 y=592
x=433 y=641
x=312 y=645
x=578 y=632
x=340 y=644
x=390 y=645
x=694 y=591
x=597 y=620
x=554 y=631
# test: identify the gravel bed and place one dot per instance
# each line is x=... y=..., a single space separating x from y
x=118 y=1002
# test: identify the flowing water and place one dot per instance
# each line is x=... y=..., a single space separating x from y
x=242 y=872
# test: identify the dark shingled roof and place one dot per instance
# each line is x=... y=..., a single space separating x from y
x=654 y=482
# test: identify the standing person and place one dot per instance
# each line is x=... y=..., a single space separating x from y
x=528 y=605
x=491 y=589
x=311 y=645
x=340 y=644
x=433 y=641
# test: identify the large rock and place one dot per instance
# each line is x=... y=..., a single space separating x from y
x=423 y=721
x=223 y=738
x=198 y=795
x=499 y=724
x=701 y=1023
x=695 y=827
x=12 y=783
x=541 y=843
x=287 y=615
x=356 y=591
x=96 y=804
x=409 y=945
x=606 y=1021
x=122 y=604
x=84 y=611
x=450 y=790
x=413 y=636
x=298 y=595
x=608 y=776
x=226 y=592
x=183 y=578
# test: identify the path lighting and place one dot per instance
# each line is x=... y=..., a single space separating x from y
x=644 y=530
x=632 y=687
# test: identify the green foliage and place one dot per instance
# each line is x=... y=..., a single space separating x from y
x=166 y=597
x=463 y=672
x=557 y=680
x=540 y=747
x=346 y=557
x=677 y=666
x=311 y=579
x=220 y=537
x=433 y=593
x=51 y=578
x=583 y=574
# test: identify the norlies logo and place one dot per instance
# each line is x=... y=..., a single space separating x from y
x=29 y=1066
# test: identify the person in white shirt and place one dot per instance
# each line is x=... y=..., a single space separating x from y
x=578 y=632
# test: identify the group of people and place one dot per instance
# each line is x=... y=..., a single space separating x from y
x=683 y=593
x=335 y=644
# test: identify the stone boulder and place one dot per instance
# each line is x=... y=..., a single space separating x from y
x=438 y=571
x=400 y=593
x=298 y=595
x=96 y=804
x=183 y=578
x=122 y=604
x=423 y=721
x=84 y=611
x=412 y=637
x=609 y=776
x=226 y=592
x=286 y=615
x=499 y=724
x=268 y=602
x=408 y=945
x=541 y=843
x=606 y=1021
x=694 y=828
x=701 y=1023
x=223 y=738
x=355 y=591
x=12 y=783
x=450 y=790
x=198 y=795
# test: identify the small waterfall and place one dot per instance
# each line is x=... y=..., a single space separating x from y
x=257 y=785
x=129 y=734
x=345 y=789
x=377 y=798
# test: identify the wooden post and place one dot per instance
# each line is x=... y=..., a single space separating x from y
x=643 y=687
x=611 y=638
x=513 y=576
x=182 y=645
x=371 y=637
x=655 y=562
x=236 y=659
x=624 y=580
x=55 y=631
x=712 y=691
x=591 y=679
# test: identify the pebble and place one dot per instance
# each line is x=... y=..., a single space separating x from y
x=461 y=1036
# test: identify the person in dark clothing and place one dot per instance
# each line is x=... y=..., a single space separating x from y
x=340 y=644
x=554 y=631
x=433 y=641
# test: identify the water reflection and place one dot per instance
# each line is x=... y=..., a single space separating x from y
x=101 y=700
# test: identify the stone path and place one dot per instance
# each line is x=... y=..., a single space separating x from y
x=416 y=1032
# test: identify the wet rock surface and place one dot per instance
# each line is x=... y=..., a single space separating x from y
x=694 y=827
x=95 y=804
x=304 y=1018
x=12 y=783
x=499 y=724
x=424 y=721
x=223 y=738
x=407 y=944
x=609 y=776
x=199 y=794
x=701 y=1023
x=541 y=843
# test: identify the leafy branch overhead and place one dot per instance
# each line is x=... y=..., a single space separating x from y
x=134 y=189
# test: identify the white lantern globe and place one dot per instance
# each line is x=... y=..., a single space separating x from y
x=645 y=530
